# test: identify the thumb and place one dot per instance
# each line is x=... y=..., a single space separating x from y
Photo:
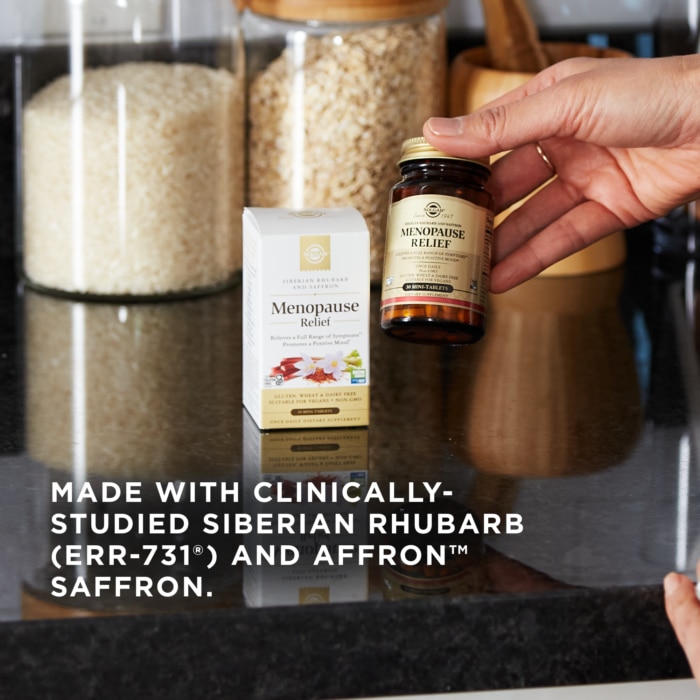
x=683 y=610
x=476 y=135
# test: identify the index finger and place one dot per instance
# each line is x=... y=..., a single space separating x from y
x=526 y=114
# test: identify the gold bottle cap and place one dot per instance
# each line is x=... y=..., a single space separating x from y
x=345 y=10
x=418 y=148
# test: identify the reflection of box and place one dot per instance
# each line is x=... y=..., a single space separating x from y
x=306 y=318
x=329 y=459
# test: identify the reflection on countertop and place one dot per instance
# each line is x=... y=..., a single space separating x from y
x=544 y=419
x=552 y=391
x=576 y=415
x=123 y=394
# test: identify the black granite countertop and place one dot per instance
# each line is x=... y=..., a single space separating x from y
x=577 y=412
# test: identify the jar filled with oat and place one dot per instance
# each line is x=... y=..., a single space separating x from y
x=131 y=117
x=334 y=88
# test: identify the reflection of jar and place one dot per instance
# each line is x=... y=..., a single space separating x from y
x=143 y=393
x=461 y=570
x=409 y=395
x=140 y=391
x=334 y=89
x=137 y=555
x=131 y=128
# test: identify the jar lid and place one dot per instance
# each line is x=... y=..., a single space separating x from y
x=418 y=148
x=345 y=10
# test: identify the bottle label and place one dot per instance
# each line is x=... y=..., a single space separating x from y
x=438 y=250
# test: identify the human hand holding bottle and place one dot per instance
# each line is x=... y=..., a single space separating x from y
x=622 y=135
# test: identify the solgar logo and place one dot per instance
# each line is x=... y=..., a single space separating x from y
x=433 y=209
x=315 y=253
x=306 y=213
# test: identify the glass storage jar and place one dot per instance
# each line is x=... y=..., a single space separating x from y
x=334 y=89
x=120 y=395
x=130 y=146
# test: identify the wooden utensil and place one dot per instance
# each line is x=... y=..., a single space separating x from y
x=511 y=36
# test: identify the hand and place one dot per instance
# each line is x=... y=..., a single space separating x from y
x=623 y=136
x=683 y=610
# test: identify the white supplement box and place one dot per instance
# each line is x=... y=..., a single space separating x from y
x=306 y=317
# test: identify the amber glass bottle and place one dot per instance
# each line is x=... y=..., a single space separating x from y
x=437 y=258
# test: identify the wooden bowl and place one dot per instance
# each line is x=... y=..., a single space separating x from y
x=552 y=388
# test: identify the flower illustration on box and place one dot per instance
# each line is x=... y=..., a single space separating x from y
x=333 y=367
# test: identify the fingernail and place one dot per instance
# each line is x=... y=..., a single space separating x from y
x=445 y=127
x=671 y=583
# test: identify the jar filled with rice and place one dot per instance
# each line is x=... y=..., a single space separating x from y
x=333 y=90
x=131 y=149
